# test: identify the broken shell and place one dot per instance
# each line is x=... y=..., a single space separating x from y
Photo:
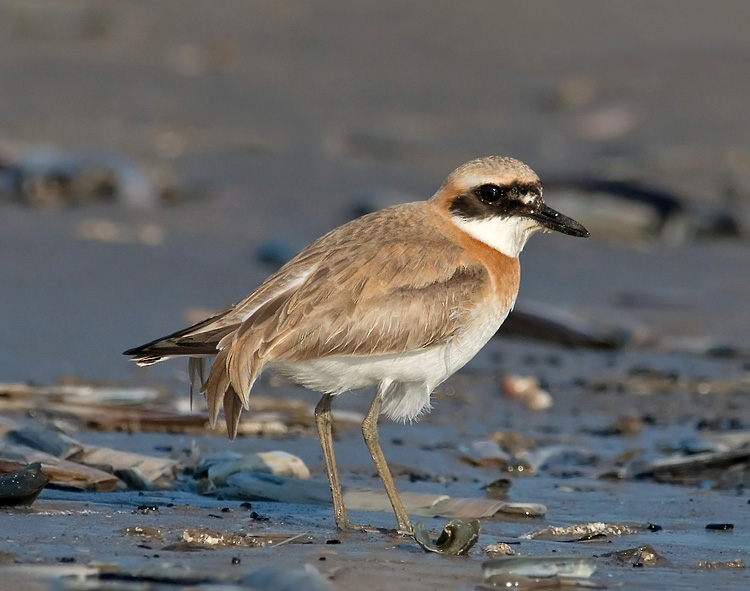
x=539 y=567
x=644 y=555
x=728 y=565
x=587 y=531
x=457 y=537
x=500 y=549
x=280 y=463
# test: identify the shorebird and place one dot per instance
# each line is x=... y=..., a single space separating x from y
x=399 y=299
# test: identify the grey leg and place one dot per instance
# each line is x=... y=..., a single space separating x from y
x=323 y=421
x=372 y=439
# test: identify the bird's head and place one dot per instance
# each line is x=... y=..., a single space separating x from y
x=499 y=201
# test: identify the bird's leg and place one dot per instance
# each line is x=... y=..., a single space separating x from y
x=323 y=421
x=372 y=439
x=457 y=537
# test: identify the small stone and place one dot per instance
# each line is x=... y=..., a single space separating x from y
x=720 y=526
x=147 y=509
x=500 y=549
x=499 y=487
x=22 y=486
x=527 y=390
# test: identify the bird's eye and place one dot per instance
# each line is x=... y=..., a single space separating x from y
x=490 y=193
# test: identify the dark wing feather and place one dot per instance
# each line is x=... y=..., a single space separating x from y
x=200 y=339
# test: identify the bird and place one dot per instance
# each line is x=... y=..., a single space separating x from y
x=399 y=299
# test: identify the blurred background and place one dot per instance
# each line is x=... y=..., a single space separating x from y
x=159 y=159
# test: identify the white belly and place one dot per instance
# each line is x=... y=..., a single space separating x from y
x=407 y=379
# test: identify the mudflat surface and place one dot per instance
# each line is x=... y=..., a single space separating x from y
x=275 y=122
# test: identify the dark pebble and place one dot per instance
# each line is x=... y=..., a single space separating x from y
x=256 y=517
x=654 y=527
x=147 y=509
x=236 y=560
x=333 y=541
x=67 y=559
x=225 y=510
x=501 y=486
x=720 y=526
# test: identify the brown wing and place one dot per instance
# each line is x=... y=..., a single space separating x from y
x=375 y=311
x=371 y=286
x=370 y=291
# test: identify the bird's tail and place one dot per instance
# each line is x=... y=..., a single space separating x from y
x=200 y=343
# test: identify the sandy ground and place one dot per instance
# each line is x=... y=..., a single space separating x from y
x=277 y=119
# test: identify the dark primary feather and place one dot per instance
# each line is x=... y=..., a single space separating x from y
x=200 y=339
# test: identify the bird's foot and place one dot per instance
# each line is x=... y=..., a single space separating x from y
x=349 y=528
x=457 y=537
x=402 y=531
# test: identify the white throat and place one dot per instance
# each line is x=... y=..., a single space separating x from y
x=506 y=235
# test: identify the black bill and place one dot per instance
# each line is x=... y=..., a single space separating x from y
x=549 y=218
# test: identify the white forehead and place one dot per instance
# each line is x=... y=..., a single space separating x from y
x=494 y=170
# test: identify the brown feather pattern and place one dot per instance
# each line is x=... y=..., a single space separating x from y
x=372 y=286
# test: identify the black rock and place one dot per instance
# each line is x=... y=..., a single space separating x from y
x=23 y=486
